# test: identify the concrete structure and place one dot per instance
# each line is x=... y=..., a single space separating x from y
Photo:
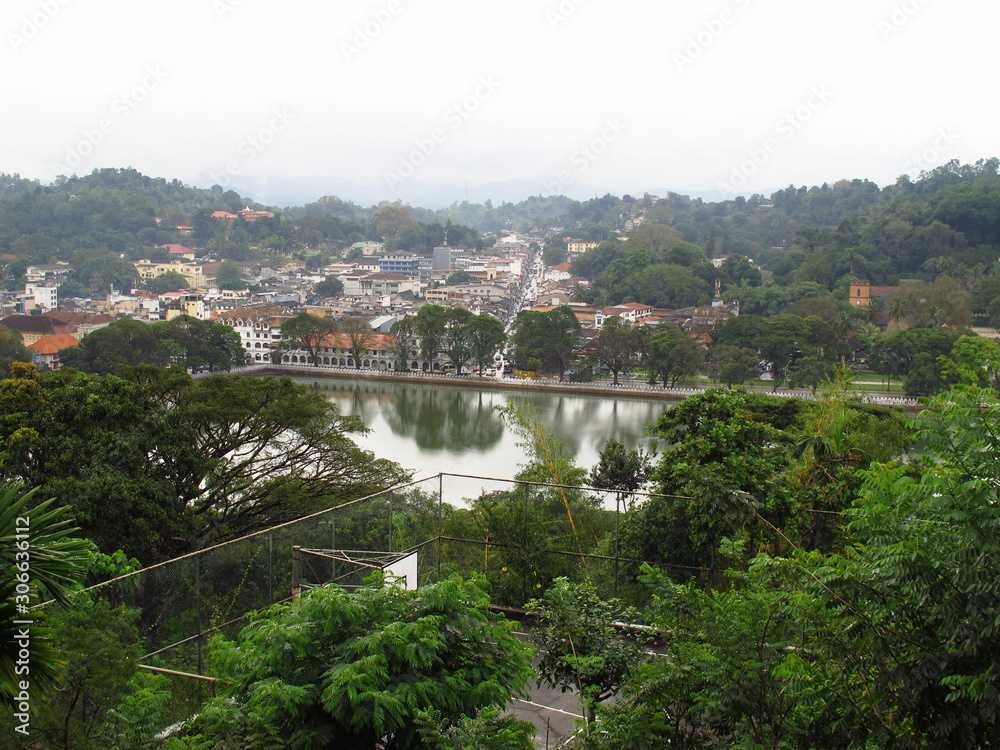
x=192 y=272
x=259 y=329
x=442 y=259
x=379 y=284
x=633 y=312
x=34 y=327
x=369 y=249
x=408 y=265
x=191 y=304
x=575 y=247
x=41 y=273
x=46 y=350
x=179 y=252
x=43 y=296
x=862 y=293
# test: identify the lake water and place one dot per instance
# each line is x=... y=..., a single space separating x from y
x=437 y=428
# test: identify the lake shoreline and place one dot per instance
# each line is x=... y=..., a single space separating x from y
x=626 y=389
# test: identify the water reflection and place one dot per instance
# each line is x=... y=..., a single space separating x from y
x=434 y=428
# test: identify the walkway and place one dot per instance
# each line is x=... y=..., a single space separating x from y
x=627 y=388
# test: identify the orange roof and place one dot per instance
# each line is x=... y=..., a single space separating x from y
x=378 y=341
x=223 y=215
x=53 y=343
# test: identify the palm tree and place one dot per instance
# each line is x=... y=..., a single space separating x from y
x=899 y=308
x=42 y=562
x=843 y=325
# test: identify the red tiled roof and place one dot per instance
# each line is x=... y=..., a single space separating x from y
x=883 y=291
x=378 y=341
x=52 y=344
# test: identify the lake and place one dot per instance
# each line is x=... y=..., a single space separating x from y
x=438 y=428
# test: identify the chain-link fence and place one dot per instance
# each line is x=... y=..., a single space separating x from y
x=519 y=535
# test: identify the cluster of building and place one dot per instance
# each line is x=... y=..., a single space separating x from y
x=378 y=286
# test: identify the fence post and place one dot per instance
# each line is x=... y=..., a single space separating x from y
x=296 y=571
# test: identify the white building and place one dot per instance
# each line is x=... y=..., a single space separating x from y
x=42 y=296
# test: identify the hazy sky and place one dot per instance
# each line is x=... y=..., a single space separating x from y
x=567 y=95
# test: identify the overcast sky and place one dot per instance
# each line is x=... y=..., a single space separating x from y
x=567 y=96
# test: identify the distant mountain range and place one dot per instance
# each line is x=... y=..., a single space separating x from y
x=299 y=191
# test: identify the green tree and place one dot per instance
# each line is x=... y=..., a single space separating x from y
x=187 y=462
x=486 y=338
x=717 y=478
x=456 y=337
x=550 y=337
x=405 y=344
x=123 y=343
x=230 y=276
x=974 y=360
x=102 y=699
x=732 y=365
x=358 y=336
x=307 y=332
x=42 y=562
x=12 y=348
x=581 y=649
x=617 y=346
x=365 y=669
x=911 y=606
x=459 y=277
x=554 y=254
x=430 y=323
x=671 y=354
x=171 y=281
x=331 y=286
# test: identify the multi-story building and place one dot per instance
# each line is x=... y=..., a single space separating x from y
x=191 y=304
x=408 y=265
x=379 y=284
x=37 y=274
x=45 y=296
x=259 y=329
x=633 y=312
x=575 y=247
x=192 y=272
x=34 y=327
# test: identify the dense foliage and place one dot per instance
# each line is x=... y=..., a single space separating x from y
x=156 y=463
x=374 y=668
